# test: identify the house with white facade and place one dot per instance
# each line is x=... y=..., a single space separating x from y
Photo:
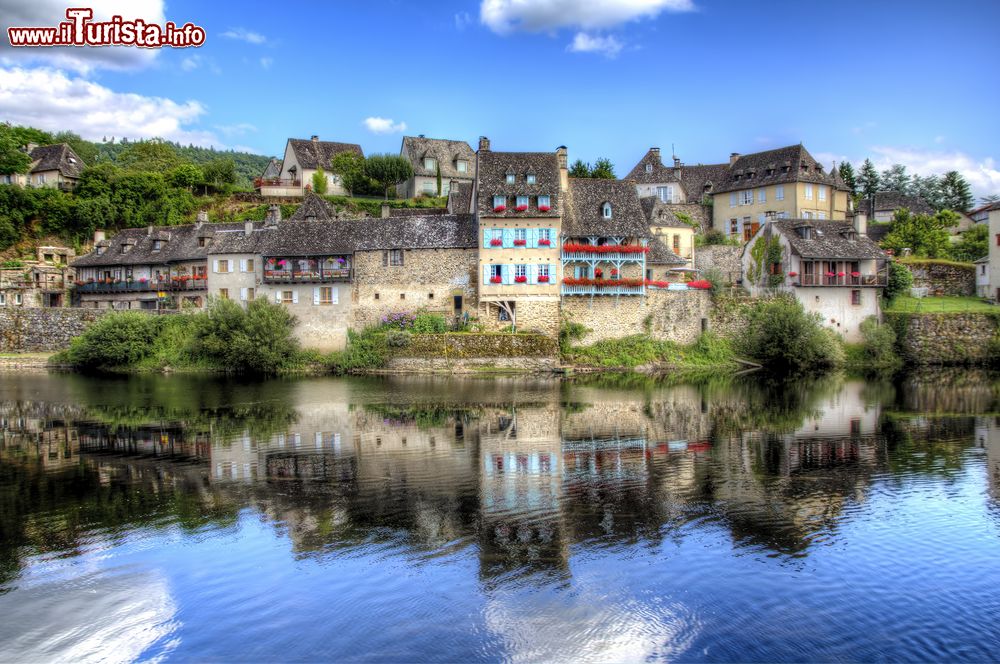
x=301 y=160
x=433 y=159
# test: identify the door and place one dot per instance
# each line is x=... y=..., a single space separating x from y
x=458 y=305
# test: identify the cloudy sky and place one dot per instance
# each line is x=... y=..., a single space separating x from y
x=909 y=81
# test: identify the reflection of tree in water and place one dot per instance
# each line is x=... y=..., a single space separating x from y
x=949 y=390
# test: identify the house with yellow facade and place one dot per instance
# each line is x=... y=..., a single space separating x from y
x=675 y=230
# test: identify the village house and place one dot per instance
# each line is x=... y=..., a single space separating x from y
x=435 y=160
x=678 y=183
x=301 y=160
x=672 y=226
x=882 y=207
x=981 y=214
x=51 y=166
x=831 y=267
x=43 y=281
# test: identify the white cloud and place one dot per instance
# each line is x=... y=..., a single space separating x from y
x=266 y=63
x=191 y=62
x=982 y=173
x=49 y=13
x=377 y=125
x=242 y=34
x=504 y=16
x=584 y=43
x=53 y=100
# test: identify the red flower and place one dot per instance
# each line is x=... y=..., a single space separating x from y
x=570 y=281
x=855 y=274
x=840 y=274
x=544 y=208
x=521 y=279
x=496 y=280
x=701 y=284
x=521 y=208
x=614 y=272
x=793 y=274
x=544 y=242
x=499 y=208
x=520 y=243
x=599 y=273
x=543 y=278
x=830 y=274
x=573 y=247
x=657 y=284
x=496 y=242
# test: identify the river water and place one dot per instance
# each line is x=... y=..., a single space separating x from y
x=426 y=519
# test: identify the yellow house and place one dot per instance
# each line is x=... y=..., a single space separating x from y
x=670 y=228
x=783 y=183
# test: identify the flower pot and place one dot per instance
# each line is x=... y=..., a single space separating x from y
x=521 y=208
x=520 y=280
x=496 y=242
x=545 y=243
x=543 y=279
x=496 y=280
x=520 y=243
x=499 y=208
x=544 y=208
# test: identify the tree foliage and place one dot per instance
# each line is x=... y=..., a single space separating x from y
x=578 y=169
x=602 y=169
x=900 y=281
x=847 y=175
x=956 y=194
x=972 y=245
x=869 y=181
x=925 y=235
x=151 y=156
x=319 y=181
x=254 y=340
x=12 y=158
x=388 y=170
x=783 y=337
x=350 y=167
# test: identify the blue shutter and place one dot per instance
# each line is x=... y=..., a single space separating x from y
x=532 y=274
x=552 y=273
x=486 y=237
x=486 y=274
x=508 y=238
x=505 y=274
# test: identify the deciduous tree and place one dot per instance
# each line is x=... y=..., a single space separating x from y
x=388 y=170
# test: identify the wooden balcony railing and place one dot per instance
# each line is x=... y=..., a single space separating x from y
x=307 y=276
x=276 y=182
x=880 y=279
x=139 y=286
x=602 y=290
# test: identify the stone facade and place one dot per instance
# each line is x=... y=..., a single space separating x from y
x=946 y=338
x=723 y=257
x=35 y=330
x=943 y=278
x=668 y=315
x=535 y=315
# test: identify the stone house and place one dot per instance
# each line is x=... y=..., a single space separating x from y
x=301 y=160
x=44 y=281
x=51 y=166
x=829 y=266
x=677 y=183
x=518 y=199
x=882 y=207
x=983 y=277
x=453 y=160
x=666 y=224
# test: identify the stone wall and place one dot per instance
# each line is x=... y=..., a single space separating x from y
x=472 y=353
x=723 y=257
x=943 y=277
x=668 y=315
x=946 y=338
x=33 y=330
x=533 y=315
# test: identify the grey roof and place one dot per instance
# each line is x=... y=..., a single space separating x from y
x=314 y=208
x=661 y=254
x=783 y=165
x=659 y=213
x=492 y=181
x=273 y=169
x=659 y=172
x=886 y=201
x=830 y=239
x=59 y=157
x=460 y=198
x=313 y=154
x=447 y=153
x=583 y=213
x=696 y=180
x=986 y=208
x=984 y=259
x=180 y=244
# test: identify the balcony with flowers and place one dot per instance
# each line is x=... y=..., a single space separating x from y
x=307 y=269
x=588 y=252
x=849 y=274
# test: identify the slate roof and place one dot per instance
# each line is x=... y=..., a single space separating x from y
x=660 y=173
x=492 y=180
x=885 y=201
x=583 y=212
x=315 y=208
x=691 y=178
x=984 y=259
x=783 y=165
x=447 y=153
x=59 y=157
x=986 y=208
x=828 y=240
x=460 y=198
x=661 y=254
x=658 y=213
x=313 y=154
x=273 y=169
x=181 y=244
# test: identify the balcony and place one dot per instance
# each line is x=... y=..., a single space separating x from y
x=627 y=288
x=324 y=275
x=152 y=285
x=603 y=253
x=48 y=283
x=276 y=182
x=863 y=280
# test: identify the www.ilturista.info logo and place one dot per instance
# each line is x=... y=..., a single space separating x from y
x=79 y=30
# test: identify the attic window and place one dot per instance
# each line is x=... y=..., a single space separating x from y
x=606 y=210
x=157 y=245
x=805 y=167
x=462 y=166
x=770 y=171
x=531 y=178
x=649 y=168
x=71 y=160
x=203 y=241
x=784 y=169
x=100 y=251
x=510 y=178
x=805 y=232
x=126 y=246
x=850 y=235
x=430 y=163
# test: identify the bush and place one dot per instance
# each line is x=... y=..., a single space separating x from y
x=879 y=346
x=256 y=340
x=570 y=332
x=118 y=339
x=365 y=350
x=425 y=323
x=397 y=339
x=782 y=336
x=713 y=236
x=900 y=281
x=400 y=320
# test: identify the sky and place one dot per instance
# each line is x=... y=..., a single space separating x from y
x=915 y=82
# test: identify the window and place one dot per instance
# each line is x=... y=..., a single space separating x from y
x=677 y=244
x=779 y=192
x=734 y=226
x=221 y=266
x=462 y=166
x=732 y=199
x=40 y=179
x=543 y=201
x=807 y=215
x=543 y=271
x=429 y=187
x=496 y=272
x=287 y=297
x=522 y=201
x=325 y=295
x=762 y=196
x=499 y=201
x=531 y=178
x=396 y=257
x=504 y=315
x=18 y=299
x=855 y=297
x=821 y=192
x=665 y=194
x=126 y=247
x=7 y=179
x=203 y=241
x=520 y=236
x=521 y=271
x=246 y=294
x=157 y=245
x=430 y=163
x=649 y=168
x=510 y=178
x=746 y=197
x=821 y=215
x=544 y=234
x=809 y=192
x=3 y=299
x=223 y=293
x=606 y=210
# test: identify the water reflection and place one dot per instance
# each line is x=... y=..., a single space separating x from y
x=531 y=479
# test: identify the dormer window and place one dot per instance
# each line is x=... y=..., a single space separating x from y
x=204 y=241
x=125 y=247
x=100 y=251
x=531 y=178
x=499 y=202
x=606 y=210
x=511 y=178
x=430 y=163
x=462 y=166
x=805 y=232
x=850 y=235
x=157 y=245
x=649 y=168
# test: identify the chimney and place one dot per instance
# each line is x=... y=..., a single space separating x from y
x=149 y=230
x=98 y=236
x=677 y=162
x=861 y=222
x=247 y=228
x=202 y=218
x=386 y=211
x=314 y=138
x=484 y=144
x=273 y=215
x=733 y=156
x=563 y=158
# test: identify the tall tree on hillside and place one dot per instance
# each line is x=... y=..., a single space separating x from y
x=846 y=172
x=578 y=169
x=152 y=156
x=12 y=158
x=956 y=194
x=868 y=179
x=926 y=235
x=220 y=172
x=603 y=169
x=350 y=168
x=928 y=188
x=388 y=170
x=186 y=176
x=895 y=178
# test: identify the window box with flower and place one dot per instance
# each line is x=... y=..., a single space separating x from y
x=520 y=243
x=545 y=242
x=521 y=208
x=496 y=280
x=544 y=208
x=496 y=242
x=499 y=208
x=521 y=279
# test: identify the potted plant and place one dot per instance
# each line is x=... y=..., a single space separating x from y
x=521 y=208
x=496 y=280
x=499 y=208
x=520 y=243
x=496 y=242
x=841 y=275
x=614 y=272
x=545 y=242
x=520 y=279
x=543 y=278
x=544 y=208
x=793 y=274
x=598 y=273
x=855 y=274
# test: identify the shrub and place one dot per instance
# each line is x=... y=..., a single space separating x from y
x=425 y=323
x=879 y=345
x=118 y=339
x=400 y=320
x=570 y=332
x=397 y=339
x=256 y=340
x=713 y=236
x=365 y=350
x=900 y=281
x=782 y=336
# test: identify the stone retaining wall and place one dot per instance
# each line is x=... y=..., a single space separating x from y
x=946 y=338
x=471 y=365
x=723 y=257
x=466 y=346
x=943 y=278
x=668 y=315
x=34 y=330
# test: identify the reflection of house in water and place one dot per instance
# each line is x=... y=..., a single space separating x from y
x=988 y=437
x=50 y=443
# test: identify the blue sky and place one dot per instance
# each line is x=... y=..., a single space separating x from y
x=911 y=82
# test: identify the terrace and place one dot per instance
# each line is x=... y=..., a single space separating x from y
x=842 y=279
x=311 y=269
x=175 y=284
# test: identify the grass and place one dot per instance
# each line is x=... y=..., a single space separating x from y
x=916 y=260
x=709 y=352
x=948 y=304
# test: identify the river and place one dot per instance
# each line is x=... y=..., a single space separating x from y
x=499 y=519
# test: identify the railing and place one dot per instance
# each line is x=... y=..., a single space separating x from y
x=608 y=256
x=306 y=276
x=142 y=286
x=602 y=290
x=880 y=279
x=49 y=283
x=276 y=182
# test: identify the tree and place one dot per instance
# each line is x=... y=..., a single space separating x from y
x=438 y=177
x=319 y=181
x=925 y=235
x=956 y=194
x=972 y=245
x=895 y=178
x=388 y=170
x=186 y=176
x=868 y=179
x=220 y=172
x=579 y=169
x=929 y=189
x=899 y=283
x=350 y=167
x=154 y=156
x=12 y=158
x=847 y=175
x=603 y=169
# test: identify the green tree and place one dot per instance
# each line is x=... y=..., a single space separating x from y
x=847 y=175
x=868 y=179
x=782 y=336
x=899 y=283
x=928 y=188
x=972 y=245
x=388 y=170
x=186 y=176
x=12 y=158
x=154 y=156
x=895 y=178
x=119 y=339
x=438 y=177
x=255 y=340
x=220 y=172
x=925 y=235
x=956 y=194
x=350 y=168
x=96 y=180
x=319 y=181
x=578 y=169
x=603 y=169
